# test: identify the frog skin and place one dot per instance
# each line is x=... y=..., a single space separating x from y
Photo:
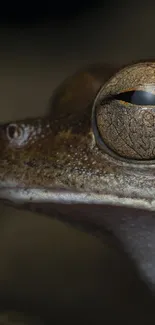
x=91 y=161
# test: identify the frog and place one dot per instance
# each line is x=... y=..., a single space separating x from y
x=91 y=159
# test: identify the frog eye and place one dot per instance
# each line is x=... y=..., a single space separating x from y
x=124 y=124
x=14 y=132
x=123 y=114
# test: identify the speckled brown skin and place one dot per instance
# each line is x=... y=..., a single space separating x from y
x=70 y=128
x=62 y=151
x=90 y=164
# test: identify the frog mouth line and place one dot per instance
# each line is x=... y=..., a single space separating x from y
x=21 y=196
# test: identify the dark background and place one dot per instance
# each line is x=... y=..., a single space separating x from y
x=47 y=268
x=30 y=12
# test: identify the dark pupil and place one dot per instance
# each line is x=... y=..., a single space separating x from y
x=137 y=97
x=11 y=131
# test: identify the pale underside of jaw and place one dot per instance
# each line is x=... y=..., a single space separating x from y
x=22 y=195
x=130 y=219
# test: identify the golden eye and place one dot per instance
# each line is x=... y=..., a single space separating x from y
x=126 y=127
x=124 y=121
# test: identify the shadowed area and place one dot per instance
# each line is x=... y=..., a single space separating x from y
x=48 y=268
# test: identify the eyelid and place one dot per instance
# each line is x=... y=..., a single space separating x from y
x=125 y=103
x=129 y=89
x=148 y=88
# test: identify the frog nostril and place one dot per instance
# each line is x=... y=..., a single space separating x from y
x=13 y=131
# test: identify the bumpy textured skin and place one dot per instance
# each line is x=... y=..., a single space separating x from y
x=62 y=151
x=46 y=153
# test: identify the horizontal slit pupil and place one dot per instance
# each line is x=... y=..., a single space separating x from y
x=137 y=97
